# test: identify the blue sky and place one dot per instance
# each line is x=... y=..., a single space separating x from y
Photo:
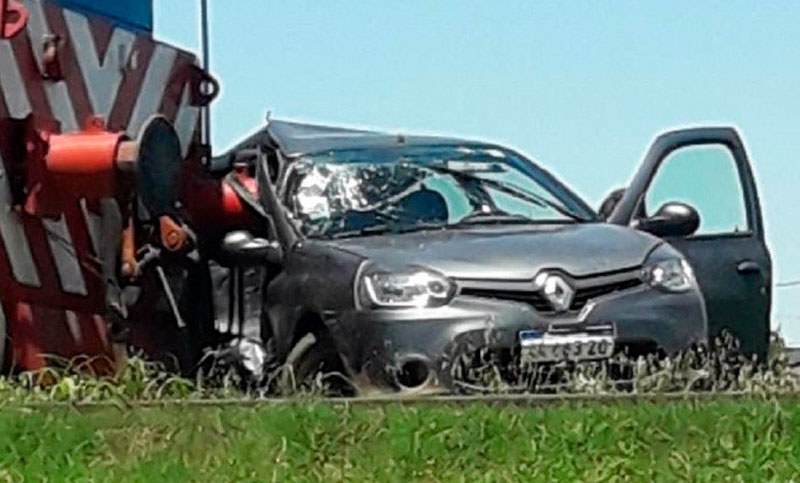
x=580 y=86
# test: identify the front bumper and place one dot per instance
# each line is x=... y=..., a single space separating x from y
x=377 y=343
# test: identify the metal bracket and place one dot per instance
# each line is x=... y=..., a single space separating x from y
x=13 y=18
x=205 y=87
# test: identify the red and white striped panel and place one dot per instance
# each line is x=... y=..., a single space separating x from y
x=50 y=287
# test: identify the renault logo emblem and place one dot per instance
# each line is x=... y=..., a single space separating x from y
x=556 y=290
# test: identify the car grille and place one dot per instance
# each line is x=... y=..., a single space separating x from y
x=535 y=299
x=584 y=295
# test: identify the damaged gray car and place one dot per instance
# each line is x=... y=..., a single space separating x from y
x=387 y=257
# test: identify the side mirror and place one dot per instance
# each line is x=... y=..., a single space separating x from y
x=243 y=248
x=610 y=203
x=672 y=219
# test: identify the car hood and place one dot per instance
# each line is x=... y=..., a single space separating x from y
x=509 y=253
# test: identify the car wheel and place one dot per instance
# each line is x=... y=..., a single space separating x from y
x=314 y=365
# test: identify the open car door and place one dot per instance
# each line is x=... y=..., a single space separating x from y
x=708 y=170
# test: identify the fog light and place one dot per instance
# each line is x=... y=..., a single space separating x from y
x=413 y=373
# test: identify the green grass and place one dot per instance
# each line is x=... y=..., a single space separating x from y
x=753 y=439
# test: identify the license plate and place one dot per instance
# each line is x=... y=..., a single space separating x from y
x=544 y=347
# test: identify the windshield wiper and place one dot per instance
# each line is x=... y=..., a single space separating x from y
x=510 y=190
x=378 y=229
x=492 y=217
x=384 y=228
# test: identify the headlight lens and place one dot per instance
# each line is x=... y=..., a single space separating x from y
x=672 y=275
x=410 y=287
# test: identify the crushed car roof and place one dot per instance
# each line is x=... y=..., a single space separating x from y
x=295 y=138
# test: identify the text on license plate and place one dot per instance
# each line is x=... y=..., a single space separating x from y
x=539 y=347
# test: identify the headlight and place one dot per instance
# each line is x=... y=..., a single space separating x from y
x=408 y=287
x=671 y=275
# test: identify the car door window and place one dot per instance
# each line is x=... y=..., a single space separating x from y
x=707 y=178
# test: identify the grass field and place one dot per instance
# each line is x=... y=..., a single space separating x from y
x=748 y=439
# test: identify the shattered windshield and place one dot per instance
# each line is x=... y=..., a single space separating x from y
x=369 y=191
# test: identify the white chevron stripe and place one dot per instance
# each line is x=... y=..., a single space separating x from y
x=102 y=78
x=14 y=238
x=153 y=86
x=74 y=327
x=93 y=223
x=186 y=121
x=12 y=84
x=65 y=257
x=57 y=93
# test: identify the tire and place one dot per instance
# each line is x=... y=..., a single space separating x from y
x=314 y=365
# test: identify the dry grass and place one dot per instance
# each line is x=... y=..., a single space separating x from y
x=717 y=369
